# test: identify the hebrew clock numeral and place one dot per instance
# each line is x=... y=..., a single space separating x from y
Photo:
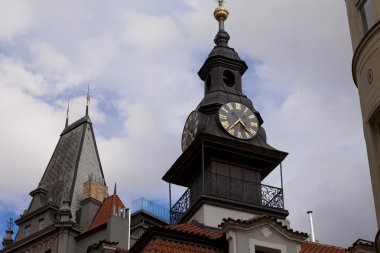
x=254 y=124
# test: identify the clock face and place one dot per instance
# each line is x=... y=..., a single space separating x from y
x=190 y=129
x=238 y=120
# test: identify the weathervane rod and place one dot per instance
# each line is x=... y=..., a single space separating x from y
x=67 y=112
x=88 y=98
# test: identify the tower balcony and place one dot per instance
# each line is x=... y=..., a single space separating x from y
x=238 y=191
x=150 y=207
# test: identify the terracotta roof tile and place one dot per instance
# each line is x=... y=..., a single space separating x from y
x=186 y=237
x=105 y=211
x=158 y=245
x=313 y=247
x=361 y=242
x=193 y=229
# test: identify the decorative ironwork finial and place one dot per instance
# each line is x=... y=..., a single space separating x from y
x=88 y=98
x=67 y=113
x=10 y=224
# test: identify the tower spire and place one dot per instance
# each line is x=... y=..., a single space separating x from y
x=67 y=113
x=88 y=99
x=221 y=15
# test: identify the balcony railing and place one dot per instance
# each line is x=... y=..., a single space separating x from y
x=150 y=207
x=229 y=188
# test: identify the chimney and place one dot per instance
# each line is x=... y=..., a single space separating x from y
x=312 y=235
x=94 y=189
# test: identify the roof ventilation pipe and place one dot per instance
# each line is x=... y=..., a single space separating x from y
x=312 y=235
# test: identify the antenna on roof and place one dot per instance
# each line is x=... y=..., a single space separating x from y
x=67 y=113
x=88 y=99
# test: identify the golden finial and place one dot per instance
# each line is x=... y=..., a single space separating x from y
x=221 y=13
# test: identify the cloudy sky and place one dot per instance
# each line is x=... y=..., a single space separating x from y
x=141 y=60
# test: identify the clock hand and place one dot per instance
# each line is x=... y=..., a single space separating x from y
x=234 y=124
x=244 y=125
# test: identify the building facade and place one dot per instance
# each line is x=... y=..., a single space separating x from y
x=364 y=23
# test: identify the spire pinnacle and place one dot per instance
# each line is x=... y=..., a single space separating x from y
x=114 y=190
x=88 y=99
x=221 y=14
x=67 y=113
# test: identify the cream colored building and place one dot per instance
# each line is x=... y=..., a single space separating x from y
x=364 y=17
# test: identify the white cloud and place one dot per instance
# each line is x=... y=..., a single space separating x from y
x=16 y=18
x=141 y=63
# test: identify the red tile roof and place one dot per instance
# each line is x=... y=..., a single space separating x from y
x=158 y=245
x=361 y=242
x=313 y=247
x=193 y=229
x=187 y=237
x=105 y=211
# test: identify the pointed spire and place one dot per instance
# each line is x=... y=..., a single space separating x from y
x=67 y=113
x=88 y=99
x=114 y=189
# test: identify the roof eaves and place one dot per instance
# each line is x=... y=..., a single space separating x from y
x=259 y=220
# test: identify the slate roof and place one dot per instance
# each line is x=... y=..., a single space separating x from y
x=105 y=211
x=74 y=160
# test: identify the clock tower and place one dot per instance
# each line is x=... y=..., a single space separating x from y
x=225 y=153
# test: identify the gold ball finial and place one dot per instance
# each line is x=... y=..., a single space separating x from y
x=221 y=13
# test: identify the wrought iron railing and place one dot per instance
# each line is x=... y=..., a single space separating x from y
x=151 y=207
x=229 y=188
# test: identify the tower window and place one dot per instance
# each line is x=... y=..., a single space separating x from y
x=228 y=78
x=27 y=230
x=367 y=15
x=41 y=224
